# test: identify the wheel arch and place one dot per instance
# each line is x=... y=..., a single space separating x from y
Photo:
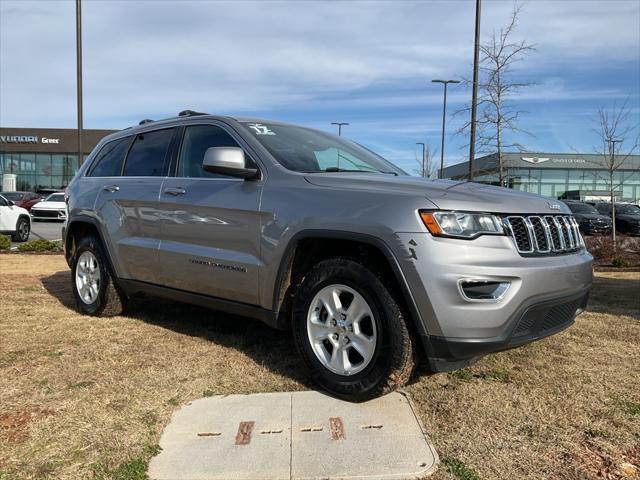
x=308 y=247
x=81 y=226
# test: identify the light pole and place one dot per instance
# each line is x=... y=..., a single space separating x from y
x=339 y=124
x=79 y=78
x=423 y=154
x=444 y=116
x=474 y=95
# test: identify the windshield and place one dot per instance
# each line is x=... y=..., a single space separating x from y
x=582 y=208
x=13 y=196
x=55 y=197
x=306 y=150
x=628 y=209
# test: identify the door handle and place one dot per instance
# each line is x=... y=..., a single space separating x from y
x=175 y=191
x=111 y=188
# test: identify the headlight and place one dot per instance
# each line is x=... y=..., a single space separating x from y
x=462 y=224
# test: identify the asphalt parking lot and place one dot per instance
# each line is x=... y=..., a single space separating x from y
x=43 y=229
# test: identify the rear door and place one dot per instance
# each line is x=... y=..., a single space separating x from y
x=211 y=223
x=127 y=200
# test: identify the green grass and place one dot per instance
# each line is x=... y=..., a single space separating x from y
x=632 y=408
x=132 y=469
x=459 y=470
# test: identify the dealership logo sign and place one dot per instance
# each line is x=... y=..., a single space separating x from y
x=553 y=160
x=27 y=139
x=535 y=159
x=18 y=139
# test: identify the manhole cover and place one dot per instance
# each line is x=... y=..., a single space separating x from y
x=299 y=435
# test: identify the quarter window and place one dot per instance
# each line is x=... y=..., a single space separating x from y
x=148 y=155
x=109 y=160
x=197 y=139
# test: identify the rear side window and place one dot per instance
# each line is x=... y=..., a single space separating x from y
x=197 y=139
x=109 y=160
x=149 y=154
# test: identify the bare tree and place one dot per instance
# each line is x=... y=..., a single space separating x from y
x=497 y=113
x=426 y=166
x=619 y=137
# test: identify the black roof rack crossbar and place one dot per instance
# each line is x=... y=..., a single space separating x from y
x=190 y=113
x=146 y=120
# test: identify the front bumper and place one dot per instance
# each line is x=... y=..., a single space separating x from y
x=545 y=294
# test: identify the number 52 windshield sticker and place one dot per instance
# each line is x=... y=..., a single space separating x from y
x=261 y=129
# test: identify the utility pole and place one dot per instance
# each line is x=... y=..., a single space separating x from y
x=612 y=168
x=444 y=116
x=474 y=97
x=423 y=157
x=79 y=78
x=339 y=124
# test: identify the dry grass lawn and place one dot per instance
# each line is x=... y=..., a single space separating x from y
x=84 y=397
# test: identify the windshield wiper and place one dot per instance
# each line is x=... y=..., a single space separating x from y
x=336 y=169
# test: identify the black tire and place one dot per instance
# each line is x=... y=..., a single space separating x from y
x=23 y=228
x=110 y=300
x=395 y=353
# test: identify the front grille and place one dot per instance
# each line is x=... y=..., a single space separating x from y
x=542 y=235
x=46 y=213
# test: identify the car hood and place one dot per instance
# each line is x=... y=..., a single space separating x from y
x=628 y=218
x=591 y=216
x=444 y=194
x=50 y=206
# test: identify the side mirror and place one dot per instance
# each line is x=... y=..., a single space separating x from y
x=11 y=203
x=228 y=161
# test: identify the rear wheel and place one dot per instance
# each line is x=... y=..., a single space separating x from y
x=93 y=285
x=351 y=332
x=23 y=228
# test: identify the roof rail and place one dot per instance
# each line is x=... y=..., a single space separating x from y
x=146 y=120
x=190 y=113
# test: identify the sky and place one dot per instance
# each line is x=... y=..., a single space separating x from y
x=369 y=63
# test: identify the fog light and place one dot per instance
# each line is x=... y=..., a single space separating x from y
x=483 y=290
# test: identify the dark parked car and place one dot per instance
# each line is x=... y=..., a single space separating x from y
x=627 y=217
x=590 y=220
x=24 y=200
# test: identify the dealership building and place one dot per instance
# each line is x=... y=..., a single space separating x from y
x=44 y=158
x=557 y=175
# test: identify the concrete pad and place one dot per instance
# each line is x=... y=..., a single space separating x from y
x=299 y=435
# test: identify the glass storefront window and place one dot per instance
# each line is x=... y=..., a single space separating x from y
x=27 y=163
x=553 y=175
x=547 y=190
x=43 y=164
x=57 y=164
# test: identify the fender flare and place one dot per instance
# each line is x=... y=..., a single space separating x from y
x=370 y=240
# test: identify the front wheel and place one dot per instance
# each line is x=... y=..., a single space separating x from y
x=23 y=228
x=93 y=284
x=350 y=331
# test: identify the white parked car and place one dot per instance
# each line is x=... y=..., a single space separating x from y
x=14 y=221
x=51 y=208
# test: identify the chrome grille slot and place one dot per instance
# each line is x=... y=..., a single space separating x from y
x=543 y=235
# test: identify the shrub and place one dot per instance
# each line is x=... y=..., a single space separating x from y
x=5 y=242
x=621 y=262
x=40 y=245
x=600 y=247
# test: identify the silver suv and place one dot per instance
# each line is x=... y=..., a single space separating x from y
x=371 y=269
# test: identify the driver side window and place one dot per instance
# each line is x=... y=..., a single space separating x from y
x=197 y=139
x=3 y=202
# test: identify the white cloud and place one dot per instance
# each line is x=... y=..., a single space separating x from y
x=148 y=59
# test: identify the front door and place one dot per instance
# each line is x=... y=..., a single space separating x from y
x=210 y=224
